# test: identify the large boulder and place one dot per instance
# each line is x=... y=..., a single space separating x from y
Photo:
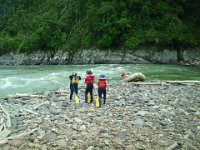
x=135 y=77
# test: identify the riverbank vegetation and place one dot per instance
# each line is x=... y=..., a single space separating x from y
x=33 y=25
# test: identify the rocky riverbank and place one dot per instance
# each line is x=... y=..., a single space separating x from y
x=165 y=116
x=185 y=57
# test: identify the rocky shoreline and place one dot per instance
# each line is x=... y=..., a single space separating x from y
x=165 y=116
x=96 y=56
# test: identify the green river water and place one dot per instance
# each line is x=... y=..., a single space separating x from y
x=26 y=79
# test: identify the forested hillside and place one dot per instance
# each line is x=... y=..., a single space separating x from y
x=70 y=25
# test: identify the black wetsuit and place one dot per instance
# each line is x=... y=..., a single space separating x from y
x=73 y=87
x=102 y=91
x=89 y=89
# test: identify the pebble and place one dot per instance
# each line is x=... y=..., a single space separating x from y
x=139 y=122
x=135 y=117
x=15 y=143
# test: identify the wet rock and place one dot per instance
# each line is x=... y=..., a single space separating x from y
x=139 y=146
x=49 y=136
x=65 y=104
x=142 y=113
x=90 y=148
x=77 y=120
x=41 y=134
x=44 y=110
x=54 y=111
x=107 y=142
x=121 y=102
x=139 y=122
x=14 y=121
x=163 y=123
x=192 y=109
x=16 y=143
x=117 y=140
x=45 y=126
x=31 y=138
x=197 y=113
x=62 y=143
x=121 y=134
x=130 y=147
x=82 y=128
x=131 y=100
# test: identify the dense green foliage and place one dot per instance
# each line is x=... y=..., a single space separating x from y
x=70 y=25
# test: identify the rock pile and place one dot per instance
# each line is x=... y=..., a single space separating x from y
x=135 y=117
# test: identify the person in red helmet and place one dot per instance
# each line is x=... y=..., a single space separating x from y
x=123 y=74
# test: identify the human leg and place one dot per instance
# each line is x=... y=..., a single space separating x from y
x=71 y=92
x=86 y=93
x=91 y=92
x=104 y=95
x=76 y=88
x=100 y=95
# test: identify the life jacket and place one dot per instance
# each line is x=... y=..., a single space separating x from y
x=89 y=79
x=75 y=79
x=102 y=82
x=92 y=77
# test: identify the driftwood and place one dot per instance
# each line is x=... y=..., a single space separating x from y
x=5 y=140
x=30 y=111
x=22 y=134
x=4 y=126
x=39 y=105
x=145 y=83
x=185 y=81
x=193 y=147
x=7 y=116
x=173 y=146
x=1 y=127
x=28 y=95
x=166 y=82
x=2 y=120
x=5 y=133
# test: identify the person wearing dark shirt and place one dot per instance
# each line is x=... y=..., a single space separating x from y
x=74 y=78
x=123 y=74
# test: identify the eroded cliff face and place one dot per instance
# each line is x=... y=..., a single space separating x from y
x=188 y=57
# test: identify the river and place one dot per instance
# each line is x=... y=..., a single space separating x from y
x=23 y=79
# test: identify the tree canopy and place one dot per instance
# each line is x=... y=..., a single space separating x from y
x=70 y=25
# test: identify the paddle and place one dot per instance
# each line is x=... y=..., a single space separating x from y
x=97 y=102
x=89 y=98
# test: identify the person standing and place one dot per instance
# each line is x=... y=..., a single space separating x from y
x=89 y=80
x=74 y=78
x=123 y=74
x=102 y=83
